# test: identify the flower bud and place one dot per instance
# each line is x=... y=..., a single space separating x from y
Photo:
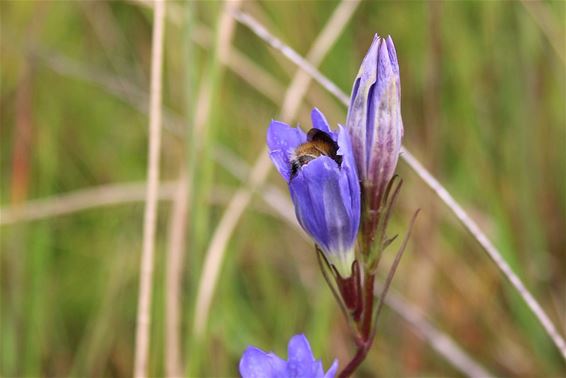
x=374 y=119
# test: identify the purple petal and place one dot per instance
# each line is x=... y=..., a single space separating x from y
x=332 y=371
x=255 y=363
x=320 y=122
x=349 y=169
x=299 y=349
x=321 y=179
x=282 y=140
x=385 y=73
x=357 y=119
x=374 y=117
x=388 y=130
x=394 y=63
x=355 y=89
x=395 y=66
x=346 y=150
x=301 y=362
x=316 y=370
x=378 y=101
x=321 y=194
x=305 y=200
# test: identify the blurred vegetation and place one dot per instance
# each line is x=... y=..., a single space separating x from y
x=484 y=86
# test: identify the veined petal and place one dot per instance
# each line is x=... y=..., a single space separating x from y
x=385 y=71
x=312 y=222
x=374 y=118
x=357 y=119
x=345 y=149
x=301 y=362
x=349 y=170
x=322 y=198
x=282 y=140
x=299 y=349
x=323 y=207
x=388 y=128
x=394 y=63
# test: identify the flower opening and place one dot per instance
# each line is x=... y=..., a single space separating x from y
x=323 y=181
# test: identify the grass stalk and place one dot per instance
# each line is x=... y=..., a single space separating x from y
x=182 y=205
x=150 y=216
x=80 y=200
x=174 y=274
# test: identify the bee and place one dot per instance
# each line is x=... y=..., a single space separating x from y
x=318 y=144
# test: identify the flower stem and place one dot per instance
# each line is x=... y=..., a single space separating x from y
x=368 y=307
x=356 y=361
x=364 y=328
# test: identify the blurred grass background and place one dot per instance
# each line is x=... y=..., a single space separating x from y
x=484 y=87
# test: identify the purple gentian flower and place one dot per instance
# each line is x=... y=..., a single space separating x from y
x=301 y=363
x=324 y=185
x=374 y=116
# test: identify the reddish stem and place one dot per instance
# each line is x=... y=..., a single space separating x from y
x=351 y=291
x=365 y=327
x=356 y=361
x=371 y=197
x=368 y=307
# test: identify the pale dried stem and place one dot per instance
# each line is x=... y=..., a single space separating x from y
x=150 y=216
x=132 y=192
x=174 y=275
x=260 y=170
x=80 y=200
x=429 y=180
x=129 y=193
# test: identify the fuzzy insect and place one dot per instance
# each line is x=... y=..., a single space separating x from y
x=318 y=144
